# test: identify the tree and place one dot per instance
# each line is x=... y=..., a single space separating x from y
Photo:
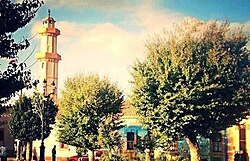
x=46 y=106
x=86 y=104
x=25 y=123
x=195 y=81
x=14 y=16
x=109 y=136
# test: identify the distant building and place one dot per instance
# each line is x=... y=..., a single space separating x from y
x=210 y=150
x=5 y=137
x=132 y=130
x=238 y=139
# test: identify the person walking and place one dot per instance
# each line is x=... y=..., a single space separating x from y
x=243 y=156
x=54 y=153
x=237 y=157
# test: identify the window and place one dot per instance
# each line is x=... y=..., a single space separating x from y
x=217 y=147
x=130 y=140
x=174 y=147
x=217 y=143
x=242 y=137
x=1 y=134
x=49 y=43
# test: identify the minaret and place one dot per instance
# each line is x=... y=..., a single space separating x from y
x=48 y=57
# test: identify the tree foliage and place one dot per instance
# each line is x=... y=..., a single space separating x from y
x=87 y=102
x=25 y=123
x=194 y=81
x=109 y=135
x=14 y=16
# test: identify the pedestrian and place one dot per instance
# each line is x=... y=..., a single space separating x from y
x=237 y=157
x=243 y=156
x=54 y=153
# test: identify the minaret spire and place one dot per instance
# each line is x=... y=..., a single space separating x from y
x=49 y=13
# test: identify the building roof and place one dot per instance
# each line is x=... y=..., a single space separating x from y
x=129 y=110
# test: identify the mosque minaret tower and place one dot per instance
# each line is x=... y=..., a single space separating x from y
x=48 y=57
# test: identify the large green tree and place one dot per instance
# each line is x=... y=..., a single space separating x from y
x=109 y=135
x=14 y=16
x=25 y=122
x=86 y=104
x=194 y=81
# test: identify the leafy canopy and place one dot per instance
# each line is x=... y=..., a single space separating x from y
x=87 y=102
x=109 y=136
x=14 y=16
x=194 y=80
x=25 y=123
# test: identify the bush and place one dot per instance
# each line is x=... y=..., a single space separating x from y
x=113 y=158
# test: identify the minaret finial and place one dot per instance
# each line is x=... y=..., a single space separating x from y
x=49 y=12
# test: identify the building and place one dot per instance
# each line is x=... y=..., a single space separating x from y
x=5 y=137
x=131 y=131
x=238 y=137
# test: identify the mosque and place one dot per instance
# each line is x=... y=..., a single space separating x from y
x=231 y=141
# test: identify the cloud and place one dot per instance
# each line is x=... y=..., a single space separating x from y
x=91 y=4
x=107 y=48
x=154 y=20
x=246 y=27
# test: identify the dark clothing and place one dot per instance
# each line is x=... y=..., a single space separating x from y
x=240 y=157
x=236 y=157
x=54 y=154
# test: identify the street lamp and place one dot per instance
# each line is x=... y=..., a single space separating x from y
x=40 y=110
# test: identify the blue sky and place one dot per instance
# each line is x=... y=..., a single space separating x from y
x=233 y=10
x=107 y=36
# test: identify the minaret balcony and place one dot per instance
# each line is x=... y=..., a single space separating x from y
x=48 y=56
x=45 y=30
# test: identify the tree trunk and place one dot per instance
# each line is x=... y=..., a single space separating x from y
x=147 y=156
x=29 y=151
x=91 y=155
x=194 y=149
x=18 y=150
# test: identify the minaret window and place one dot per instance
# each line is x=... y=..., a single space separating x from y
x=50 y=44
